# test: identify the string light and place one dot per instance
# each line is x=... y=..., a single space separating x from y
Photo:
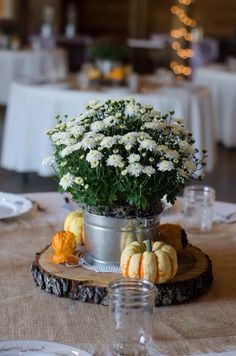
x=180 y=34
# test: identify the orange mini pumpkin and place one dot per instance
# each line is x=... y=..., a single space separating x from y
x=64 y=244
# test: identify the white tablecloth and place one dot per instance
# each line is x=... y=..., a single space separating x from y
x=222 y=84
x=29 y=65
x=32 y=110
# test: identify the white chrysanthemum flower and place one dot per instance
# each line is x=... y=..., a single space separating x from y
x=88 y=142
x=90 y=134
x=128 y=147
x=154 y=113
x=79 y=181
x=108 y=141
x=67 y=142
x=171 y=154
x=90 y=113
x=131 y=109
x=189 y=165
x=148 y=144
x=59 y=136
x=166 y=205
x=129 y=138
x=66 y=181
x=99 y=137
x=162 y=149
x=177 y=121
x=176 y=130
x=114 y=160
x=76 y=131
x=81 y=117
x=98 y=105
x=133 y=158
x=182 y=173
x=49 y=131
x=97 y=126
x=164 y=166
x=93 y=103
x=162 y=125
x=61 y=126
x=143 y=136
x=186 y=148
x=66 y=151
x=110 y=121
x=48 y=161
x=69 y=149
x=149 y=170
x=93 y=157
x=70 y=123
x=151 y=125
x=134 y=169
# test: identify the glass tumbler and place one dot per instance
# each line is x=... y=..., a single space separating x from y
x=131 y=307
x=198 y=208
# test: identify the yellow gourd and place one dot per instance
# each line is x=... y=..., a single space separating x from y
x=64 y=244
x=129 y=235
x=117 y=74
x=74 y=222
x=94 y=74
x=156 y=262
x=174 y=235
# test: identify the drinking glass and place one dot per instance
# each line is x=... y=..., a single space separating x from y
x=82 y=78
x=198 y=205
x=131 y=307
x=133 y=82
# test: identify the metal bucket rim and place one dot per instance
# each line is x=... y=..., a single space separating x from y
x=151 y=217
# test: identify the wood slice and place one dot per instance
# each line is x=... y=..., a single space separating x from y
x=193 y=278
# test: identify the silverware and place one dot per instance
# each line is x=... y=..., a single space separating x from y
x=37 y=205
x=228 y=219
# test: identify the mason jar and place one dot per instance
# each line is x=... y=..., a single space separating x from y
x=198 y=208
x=131 y=309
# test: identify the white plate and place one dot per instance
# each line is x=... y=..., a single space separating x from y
x=44 y=348
x=12 y=205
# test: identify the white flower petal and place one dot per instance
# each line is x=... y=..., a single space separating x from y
x=66 y=181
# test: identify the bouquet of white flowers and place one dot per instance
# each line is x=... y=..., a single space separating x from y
x=121 y=156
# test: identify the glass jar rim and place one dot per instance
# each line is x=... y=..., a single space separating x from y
x=199 y=188
x=131 y=288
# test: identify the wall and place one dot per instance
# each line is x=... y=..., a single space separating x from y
x=216 y=17
x=35 y=13
x=7 y=9
x=104 y=17
x=99 y=17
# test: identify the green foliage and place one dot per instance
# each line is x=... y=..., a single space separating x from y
x=110 y=51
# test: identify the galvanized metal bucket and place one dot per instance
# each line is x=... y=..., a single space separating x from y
x=106 y=237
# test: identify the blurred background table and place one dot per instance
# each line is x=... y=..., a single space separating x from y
x=30 y=65
x=222 y=83
x=32 y=109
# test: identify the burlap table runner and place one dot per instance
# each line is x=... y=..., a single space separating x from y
x=204 y=325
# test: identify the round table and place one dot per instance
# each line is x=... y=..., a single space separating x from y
x=222 y=84
x=30 y=65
